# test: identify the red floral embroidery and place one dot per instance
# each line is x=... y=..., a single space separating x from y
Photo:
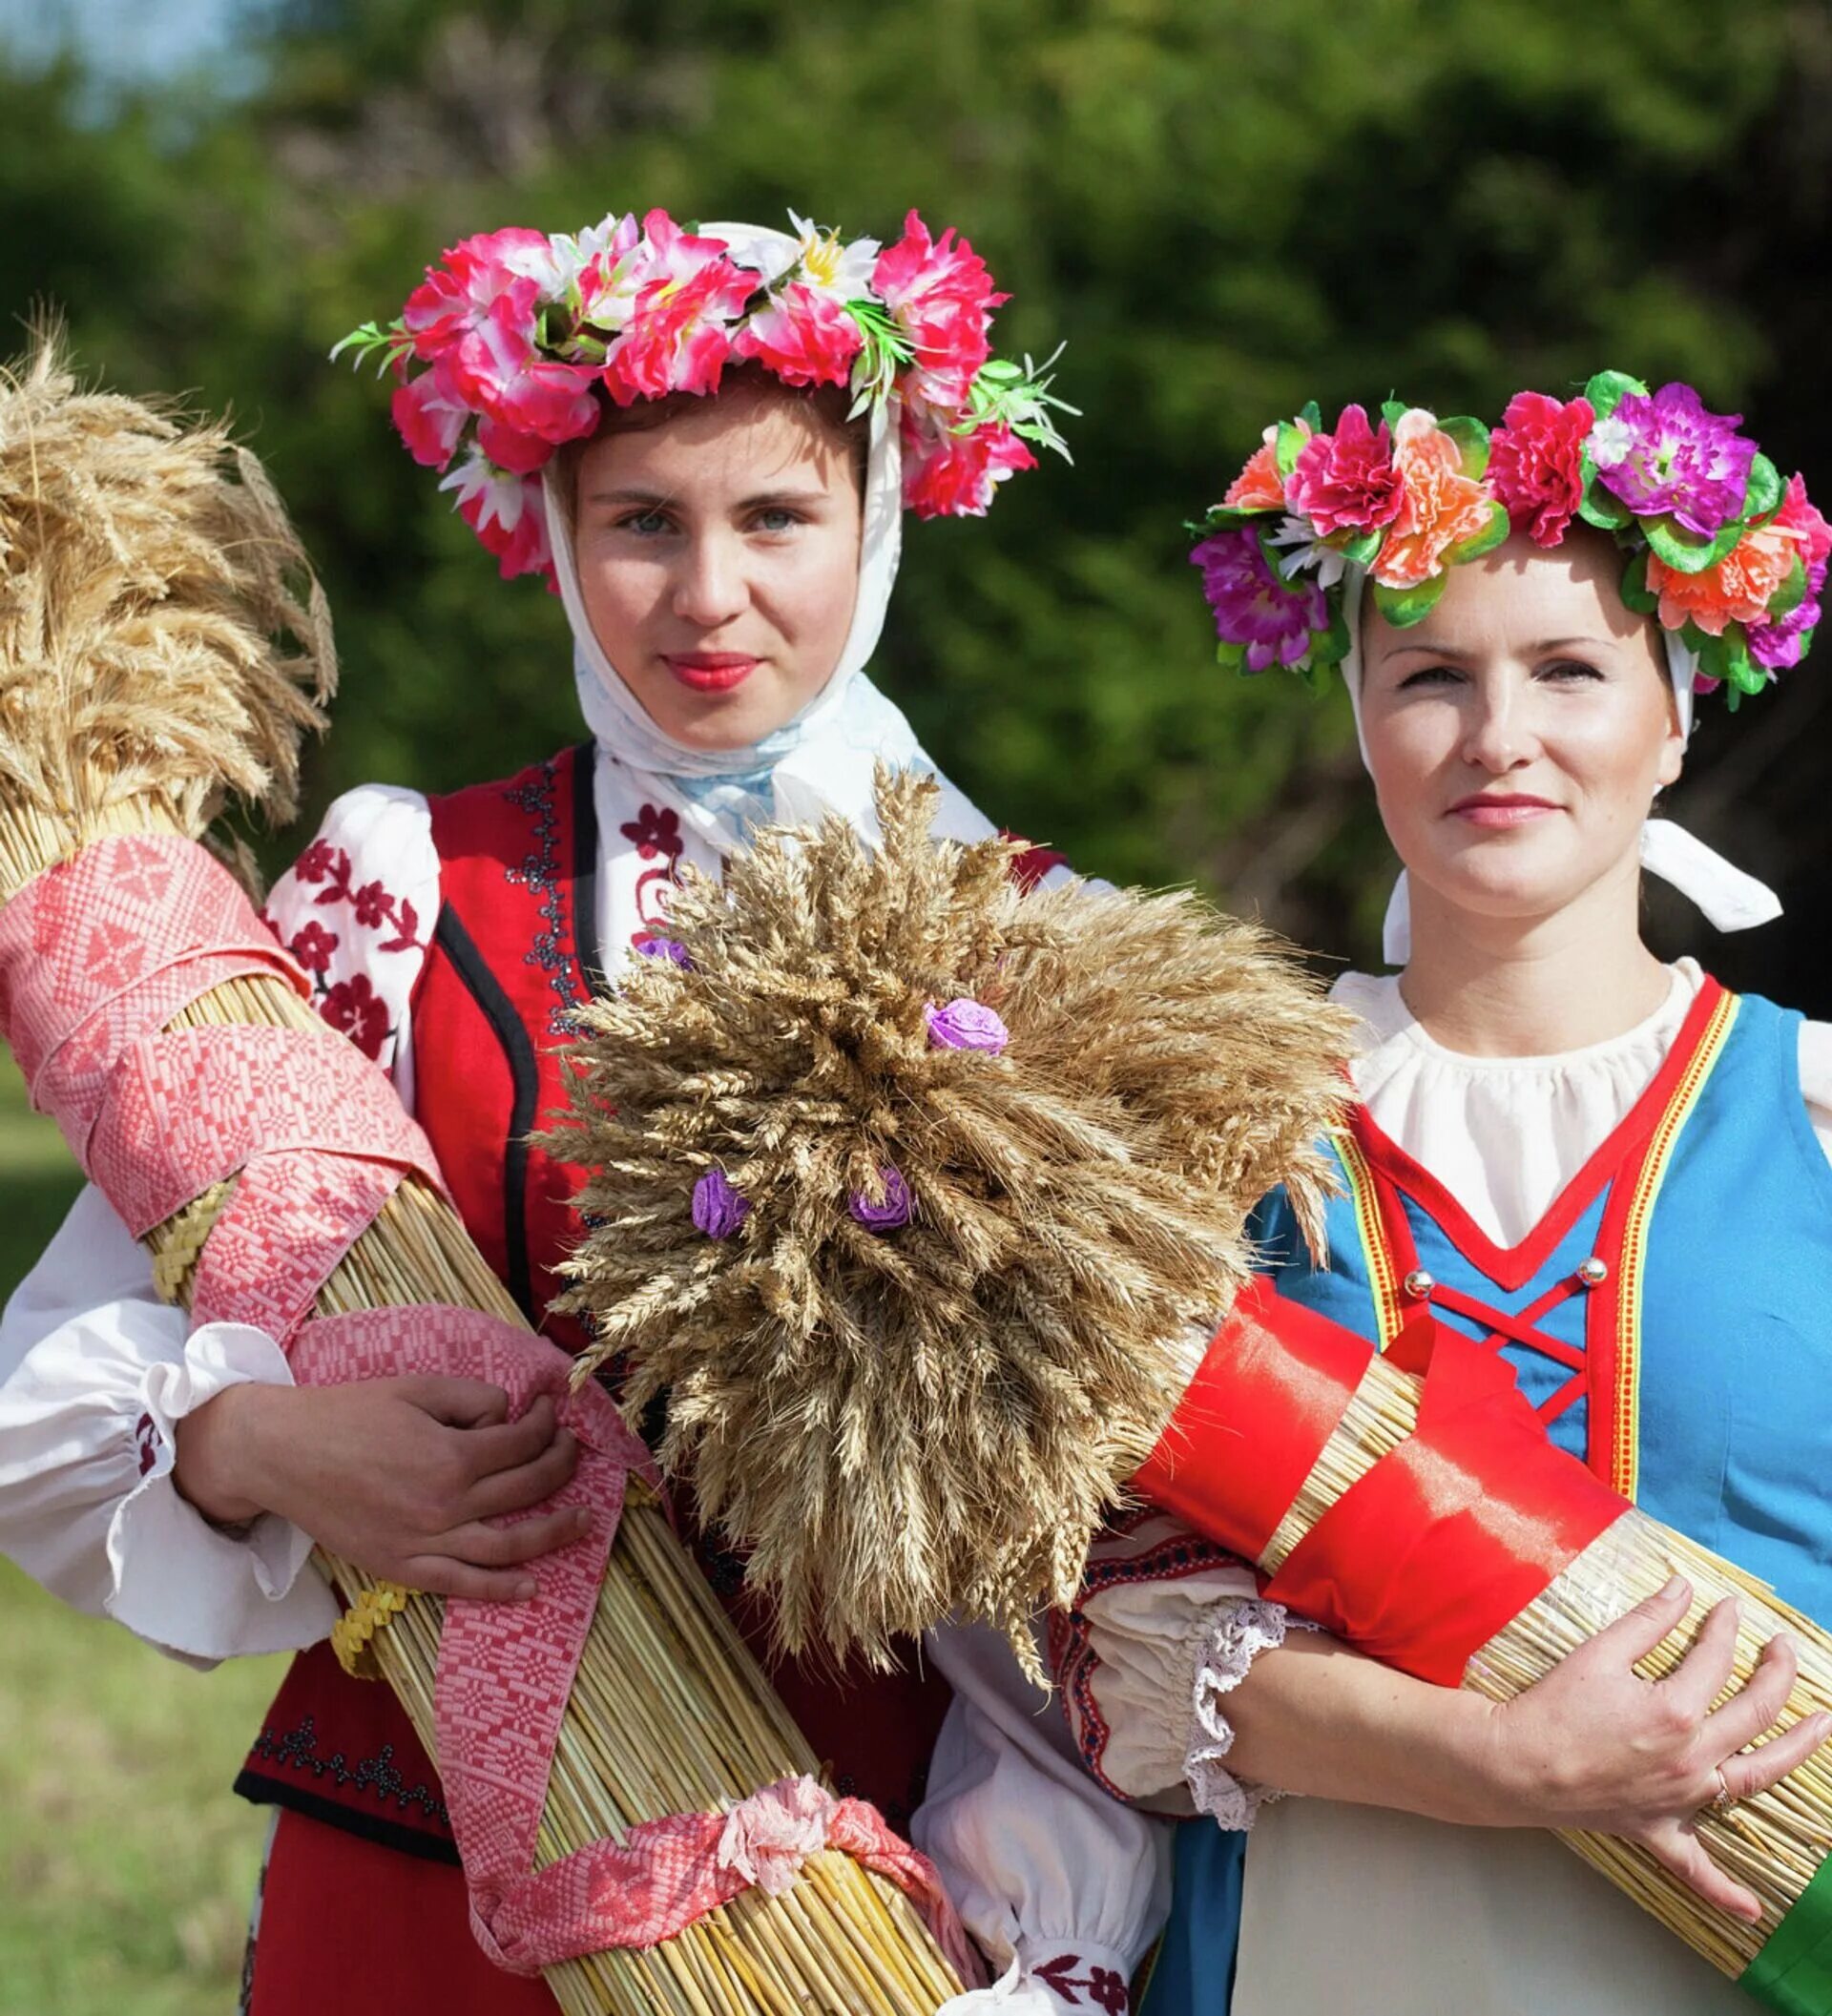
x=655 y=830
x=312 y=947
x=1107 y=1991
x=354 y=1006
x=146 y=1436
x=373 y=906
x=318 y=861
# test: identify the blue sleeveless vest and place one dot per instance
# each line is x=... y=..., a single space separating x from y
x=1670 y=1318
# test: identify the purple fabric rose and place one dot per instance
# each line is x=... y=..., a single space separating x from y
x=718 y=1210
x=1777 y=646
x=664 y=949
x=966 y=1025
x=1272 y=618
x=892 y=1212
x=1662 y=453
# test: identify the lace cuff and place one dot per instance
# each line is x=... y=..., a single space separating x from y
x=1239 y=1632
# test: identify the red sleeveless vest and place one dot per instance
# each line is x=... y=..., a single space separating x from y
x=513 y=952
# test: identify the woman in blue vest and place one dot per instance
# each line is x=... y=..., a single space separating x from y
x=1611 y=1171
x=706 y=442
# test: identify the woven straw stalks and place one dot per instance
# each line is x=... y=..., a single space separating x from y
x=146 y=570
x=899 y=1425
x=1773 y=1843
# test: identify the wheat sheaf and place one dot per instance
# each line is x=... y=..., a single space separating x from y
x=899 y=1423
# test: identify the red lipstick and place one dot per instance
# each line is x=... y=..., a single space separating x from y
x=711 y=670
x=1499 y=808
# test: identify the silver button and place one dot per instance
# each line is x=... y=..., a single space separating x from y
x=1419 y=1284
x=1593 y=1271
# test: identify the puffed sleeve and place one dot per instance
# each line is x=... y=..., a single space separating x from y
x=1063 y=1887
x=95 y=1371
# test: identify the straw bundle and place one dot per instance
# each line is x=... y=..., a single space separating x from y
x=155 y=656
x=1775 y=1841
x=899 y=1423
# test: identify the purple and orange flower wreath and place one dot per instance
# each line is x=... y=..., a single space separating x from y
x=1721 y=550
x=506 y=348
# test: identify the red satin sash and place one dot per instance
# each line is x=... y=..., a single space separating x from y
x=1441 y=1544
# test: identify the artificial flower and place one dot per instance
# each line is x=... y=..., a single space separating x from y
x=678 y=334
x=1664 y=455
x=1348 y=481
x=942 y=298
x=954 y=475
x=1739 y=588
x=1440 y=506
x=506 y=511
x=430 y=415
x=457 y=294
x=1260 y=487
x=718 y=1210
x=1536 y=463
x=964 y=1024
x=805 y=337
x=1273 y=619
x=501 y=369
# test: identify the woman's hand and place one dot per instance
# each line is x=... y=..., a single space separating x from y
x=402 y=1477
x=1595 y=1746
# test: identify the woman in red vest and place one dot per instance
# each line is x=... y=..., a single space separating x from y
x=706 y=442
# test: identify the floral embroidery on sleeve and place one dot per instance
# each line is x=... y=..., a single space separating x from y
x=1105 y=1989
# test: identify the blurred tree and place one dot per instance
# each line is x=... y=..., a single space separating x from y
x=1226 y=211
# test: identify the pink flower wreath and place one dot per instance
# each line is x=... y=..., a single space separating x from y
x=506 y=348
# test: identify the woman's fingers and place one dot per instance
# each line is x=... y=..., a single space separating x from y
x=522 y=1540
x=1756 y=1706
x=513 y=1442
x=1675 y=1847
x=528 y=1484
x=440 y=1576
x=1748 y=1772
x=458 y=1403
x=1635 y=1633
x=1702 y=1675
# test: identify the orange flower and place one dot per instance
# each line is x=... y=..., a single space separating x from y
x=1743 y=583
x=1442 y=506
x=1260 y=487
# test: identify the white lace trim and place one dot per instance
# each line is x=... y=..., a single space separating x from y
x=1239 y=1630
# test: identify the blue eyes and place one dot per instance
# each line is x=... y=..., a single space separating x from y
x=773 y=520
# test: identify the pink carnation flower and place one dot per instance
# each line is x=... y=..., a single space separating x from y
x=1440 y=506
x=941 y=297
x=506 y=511
x=1347 y=482
x=500 y=369
x=1536 y=463
x=805 y=337
x=430 y=416
x=456 y=295
x=954 y=475
x=678 y=335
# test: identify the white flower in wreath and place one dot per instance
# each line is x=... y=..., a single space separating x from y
x=1305 y=553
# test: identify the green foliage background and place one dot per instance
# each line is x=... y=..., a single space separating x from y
x=1226 y=208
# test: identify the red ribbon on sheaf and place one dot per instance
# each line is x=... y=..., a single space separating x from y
x=1442 y=1542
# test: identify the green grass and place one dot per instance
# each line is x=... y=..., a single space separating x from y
x=126 y=1864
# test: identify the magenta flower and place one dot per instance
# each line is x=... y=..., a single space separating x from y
x=718 y=1210
x=500 y=369
x=670 y=948
x=1536 y=463
x=1664 y=454
x=891 y=1213
x=1274 y=619
x=506 y=511
x=1347 y=482
x=942 y=298
x=1778 y=645
x=430 y=414
x=678 y=335
x=966 y=1025
x=457 y=295
x=805 y=337
x=954 y=475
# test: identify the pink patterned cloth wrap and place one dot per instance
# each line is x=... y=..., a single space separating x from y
x=96 y=955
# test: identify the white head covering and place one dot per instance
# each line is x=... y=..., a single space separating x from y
x=822 y=760
x=1730 y=900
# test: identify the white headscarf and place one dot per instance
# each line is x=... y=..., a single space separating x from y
x=821 y=761
x=1730 y=900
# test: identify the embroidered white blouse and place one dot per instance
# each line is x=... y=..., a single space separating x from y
x=1421 y=1916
